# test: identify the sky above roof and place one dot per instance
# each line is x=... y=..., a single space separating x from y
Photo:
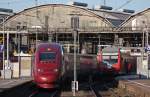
x=19 y=5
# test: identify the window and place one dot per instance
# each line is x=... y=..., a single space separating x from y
x=46 y=56
x=110 y=62
x=74 y=22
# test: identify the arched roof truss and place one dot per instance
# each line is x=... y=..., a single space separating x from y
x=56 y=16
x=138 y=22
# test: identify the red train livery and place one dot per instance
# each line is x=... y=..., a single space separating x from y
x=109 y=66
x=48 y=67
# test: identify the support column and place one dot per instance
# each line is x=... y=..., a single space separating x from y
x=78 y=43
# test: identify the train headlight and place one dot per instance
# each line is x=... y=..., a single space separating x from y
x=39 y=70
x=43 y=78
x=55 y=70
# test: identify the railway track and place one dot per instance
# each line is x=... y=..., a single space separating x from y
x=95 y=92
x=109 y=89
x=89 y=89
x=93 y=89
x=103 y=88
x=44 y=93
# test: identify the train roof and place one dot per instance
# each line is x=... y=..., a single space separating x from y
x=110 y=49
x=55 y=45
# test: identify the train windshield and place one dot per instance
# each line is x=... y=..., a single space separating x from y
x=110 y=62
x=46 y=56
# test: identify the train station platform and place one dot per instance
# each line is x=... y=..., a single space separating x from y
x=134 y=84
x=12 y=83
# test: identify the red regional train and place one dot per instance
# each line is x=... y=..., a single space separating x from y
x=48 y=68
x=110 y=65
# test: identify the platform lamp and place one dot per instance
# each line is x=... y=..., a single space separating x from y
x=18 y=27
x=75 y=26
x=148 y=50
x=3 y=47
x=8 y=64
x=36 y=34
x=145 y=41
x=3 y=22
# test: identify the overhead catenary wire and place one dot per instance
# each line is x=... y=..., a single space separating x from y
x=123 y=5
x=104 y=2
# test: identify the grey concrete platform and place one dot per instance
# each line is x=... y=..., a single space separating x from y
x=133 y=83
x=12 y=83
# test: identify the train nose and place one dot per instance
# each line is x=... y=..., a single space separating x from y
x=47 y=79
x=44 y=79
x=54 y=70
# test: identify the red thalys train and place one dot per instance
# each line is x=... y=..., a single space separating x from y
x=48 y=68
x=109 y=66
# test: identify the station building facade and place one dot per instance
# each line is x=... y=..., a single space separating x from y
x=4 y=13
x=56 y=22
x=59 y=22
x=138 y=27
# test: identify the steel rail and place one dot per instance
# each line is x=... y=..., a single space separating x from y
x=110 y=89
x=54 y=94
x=33 y=93
x=94 y=91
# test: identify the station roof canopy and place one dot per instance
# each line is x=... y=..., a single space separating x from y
x=138 y=21
x=57 y=16
x=4 y=13
x=116 y=18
